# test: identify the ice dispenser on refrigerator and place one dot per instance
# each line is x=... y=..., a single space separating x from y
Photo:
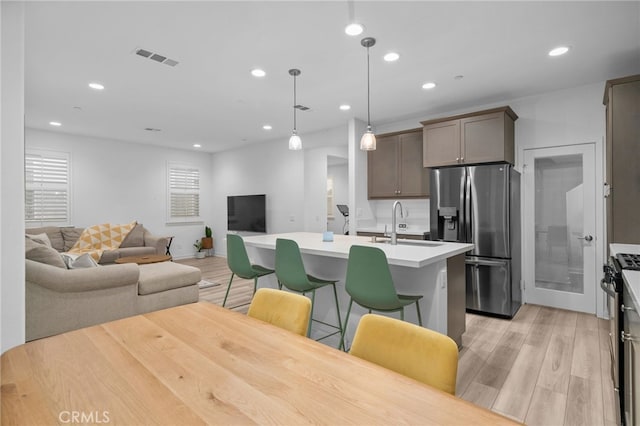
x=448 y=224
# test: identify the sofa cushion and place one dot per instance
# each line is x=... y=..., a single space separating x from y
x=163 y=276
x=77 y=262
x=40 y=239
x=54 y=234
x=110 y=256
x=135 y=237
x=43 y=254
x=70 y=236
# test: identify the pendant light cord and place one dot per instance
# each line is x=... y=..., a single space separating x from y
x=368 y=94
x=294 y=103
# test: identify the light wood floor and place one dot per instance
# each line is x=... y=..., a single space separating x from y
x=545 y=367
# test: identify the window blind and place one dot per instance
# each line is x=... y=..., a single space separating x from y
x=184 y=193
x=47 y=187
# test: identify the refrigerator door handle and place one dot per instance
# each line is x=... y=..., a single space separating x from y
x=462 y=219
x=468 y=236
x=484 y=262
x=476 y=287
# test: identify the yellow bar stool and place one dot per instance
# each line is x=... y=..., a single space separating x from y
x=286 y=310
x=422 y=354
x=240 y=265
x=291 y=274
x=370 y=285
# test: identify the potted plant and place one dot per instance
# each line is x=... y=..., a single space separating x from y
x=199 y=253
x=207 y=240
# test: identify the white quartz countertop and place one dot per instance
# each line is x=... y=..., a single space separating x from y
x=414 y=254
x=631 y=278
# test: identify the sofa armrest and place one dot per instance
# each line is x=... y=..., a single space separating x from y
x=79 y=280
x=159 y=243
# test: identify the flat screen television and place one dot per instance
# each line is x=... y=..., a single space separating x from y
x=247 y=213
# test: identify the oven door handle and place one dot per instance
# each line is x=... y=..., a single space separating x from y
x=604 y=285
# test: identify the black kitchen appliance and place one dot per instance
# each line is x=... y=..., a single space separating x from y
x=629 y=261
x=612 y=283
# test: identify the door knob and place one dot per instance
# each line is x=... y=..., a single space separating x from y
x=587 y=238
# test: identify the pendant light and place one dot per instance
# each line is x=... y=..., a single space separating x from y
x=368 y=141
x=295 y=143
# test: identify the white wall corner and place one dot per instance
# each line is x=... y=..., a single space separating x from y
x=12 y=280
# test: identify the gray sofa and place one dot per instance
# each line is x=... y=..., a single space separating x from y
x=59 y=299
x=138 y=242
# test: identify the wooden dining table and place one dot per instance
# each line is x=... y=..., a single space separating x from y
x=203 y=364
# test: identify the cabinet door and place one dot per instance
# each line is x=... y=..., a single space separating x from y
x=625 y=176
x=383 y=169
x=441 y=144
x=414 y=178
x=483 y=139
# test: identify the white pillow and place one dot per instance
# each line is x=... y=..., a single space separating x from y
x=40 y=238
x=74 y=261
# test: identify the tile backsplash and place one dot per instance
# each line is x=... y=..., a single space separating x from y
x=416 y=214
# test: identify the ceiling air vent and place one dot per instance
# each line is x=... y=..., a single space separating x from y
x=301 y=107
x=155 y=57
x=158 y=58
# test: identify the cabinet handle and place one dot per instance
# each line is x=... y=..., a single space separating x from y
x=625 y=308
x=624 y=337
x=458 y=159
x=461 y=159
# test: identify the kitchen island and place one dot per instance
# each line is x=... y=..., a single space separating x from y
x=435 y=270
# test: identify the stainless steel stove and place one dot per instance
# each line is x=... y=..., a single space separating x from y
x=612 y=284
x=629 y=261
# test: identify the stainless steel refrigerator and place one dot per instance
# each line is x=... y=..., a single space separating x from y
x=481 y=205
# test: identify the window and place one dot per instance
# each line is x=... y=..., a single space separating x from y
x=330 y=197
x=47 y=184
x=183 y=193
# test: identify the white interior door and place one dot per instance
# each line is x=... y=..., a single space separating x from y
x=560 y=227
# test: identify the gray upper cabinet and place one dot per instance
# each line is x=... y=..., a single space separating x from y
x=395 y=168
x=622 y=99
x=479 y=137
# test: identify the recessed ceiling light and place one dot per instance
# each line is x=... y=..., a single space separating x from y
x=197 y=145
x=96 y=86
x=55 y=123
x=391 y=56
x=257 y=72
x=429 y=85
x=560 y=50
x=267 y=127
x=345 y=107
x=354 y=29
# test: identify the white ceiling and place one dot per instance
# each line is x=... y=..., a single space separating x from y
x=211 y=98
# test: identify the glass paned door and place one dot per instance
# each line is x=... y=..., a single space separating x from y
x=559 y=227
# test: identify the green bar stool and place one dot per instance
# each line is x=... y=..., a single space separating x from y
x=291 y=274
x=238 y=262
x=370 y=285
